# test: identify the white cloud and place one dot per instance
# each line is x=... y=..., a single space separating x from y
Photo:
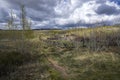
x=85 y=13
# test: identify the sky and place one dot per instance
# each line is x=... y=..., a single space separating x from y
x=62 y=14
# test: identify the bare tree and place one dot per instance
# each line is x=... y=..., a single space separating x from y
x=23 y=22
x=11 y=21
x=26 y=25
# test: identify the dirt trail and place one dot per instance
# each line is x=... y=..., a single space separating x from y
x=61 y=69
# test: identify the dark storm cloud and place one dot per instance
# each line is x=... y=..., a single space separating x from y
x=4 y=15
x=35 y=4
x=100 y=1
x=84 y=25
x=116 y=1
x=46 y=6
x=107 y=9
x=38 y=15
x=37 y=10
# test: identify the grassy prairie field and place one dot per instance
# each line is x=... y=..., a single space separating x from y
x=75 y=54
